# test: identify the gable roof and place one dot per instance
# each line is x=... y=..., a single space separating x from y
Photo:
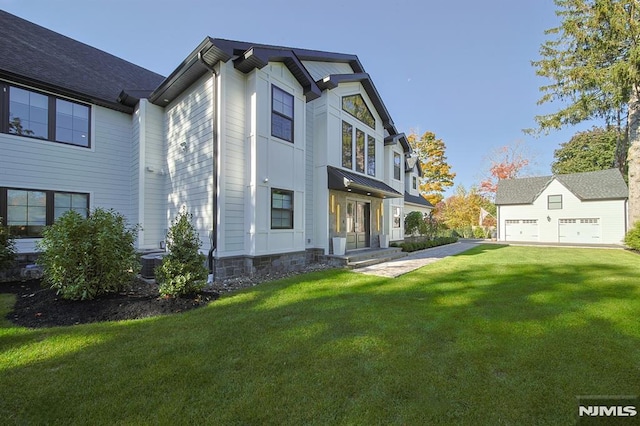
x=587 y=186
x=247 y=56
x=41 y=58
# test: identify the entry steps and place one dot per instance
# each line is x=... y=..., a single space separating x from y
x=362 y=258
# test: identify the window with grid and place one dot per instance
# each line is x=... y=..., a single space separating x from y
x=281 y=114
x=36 y=115
x=26 y=211
x=281 y=209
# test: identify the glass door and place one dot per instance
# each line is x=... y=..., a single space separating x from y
x=358 y=224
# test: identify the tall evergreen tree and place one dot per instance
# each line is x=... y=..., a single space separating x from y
x=593 y=64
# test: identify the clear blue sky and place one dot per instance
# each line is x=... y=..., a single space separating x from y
x=461 y=69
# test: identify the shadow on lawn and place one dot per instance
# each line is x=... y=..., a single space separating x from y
x=516 y=342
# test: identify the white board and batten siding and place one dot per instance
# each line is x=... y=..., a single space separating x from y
x=591 y=222
x=273 y=163
x=103 y=171
x=188 y=129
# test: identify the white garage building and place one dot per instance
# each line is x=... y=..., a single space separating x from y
x=580 y=208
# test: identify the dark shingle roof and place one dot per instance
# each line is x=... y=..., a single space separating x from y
x=598 y=185
x=413 y=199
x=31 y=54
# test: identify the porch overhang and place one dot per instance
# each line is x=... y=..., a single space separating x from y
x=342 y=180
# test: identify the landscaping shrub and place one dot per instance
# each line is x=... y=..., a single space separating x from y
x=414 y=224
x=632 y=238
x=83 y=257
x=7 y=248
x=479 y=232
x=183 y=269
x=421 y=245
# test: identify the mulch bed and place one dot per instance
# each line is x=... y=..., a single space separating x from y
x=40 y=307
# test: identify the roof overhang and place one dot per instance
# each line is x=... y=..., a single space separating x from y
x=400 y=138
x=332 y=81
x=342 y=180
x=246 y=58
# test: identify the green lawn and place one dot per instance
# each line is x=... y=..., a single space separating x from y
x=496 y=335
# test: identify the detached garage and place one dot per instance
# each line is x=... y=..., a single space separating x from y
x=578 y=208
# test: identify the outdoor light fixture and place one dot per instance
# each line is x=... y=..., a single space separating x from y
x=548 y=218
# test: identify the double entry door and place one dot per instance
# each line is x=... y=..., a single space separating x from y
x=358 y=224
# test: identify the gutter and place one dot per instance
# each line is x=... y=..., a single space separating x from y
x=213 y=234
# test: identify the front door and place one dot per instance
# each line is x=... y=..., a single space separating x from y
x=358 y=224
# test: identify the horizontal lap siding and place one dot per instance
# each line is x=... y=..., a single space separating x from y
x=189 y=145
x=319 y=70
x=233 y=164
x=104 y=171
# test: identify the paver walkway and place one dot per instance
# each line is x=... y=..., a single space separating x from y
x=415 y=260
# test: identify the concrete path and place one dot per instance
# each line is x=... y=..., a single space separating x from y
x=415 y=260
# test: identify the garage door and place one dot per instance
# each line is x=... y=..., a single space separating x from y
x=579 y=230
x=521 y=230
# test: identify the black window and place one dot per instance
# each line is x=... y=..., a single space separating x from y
x=356 y=106
x=554 y=202
x=281 y=114
x=371 y=156
x=281 y=209
x=27 y=211
x=415 y=182
x=397 y=161
x=29 y=113
x=347 y=145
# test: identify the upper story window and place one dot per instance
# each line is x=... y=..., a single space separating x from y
x=397 y=161
x=356 y=106
x=415 y=182
x=29 y=113
x=358 y=150
x=281 y=114
x=26 y=211
x=554 y=202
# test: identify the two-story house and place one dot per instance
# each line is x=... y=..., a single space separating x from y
x=274 y=150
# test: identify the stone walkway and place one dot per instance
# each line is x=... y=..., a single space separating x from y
x=415 y=260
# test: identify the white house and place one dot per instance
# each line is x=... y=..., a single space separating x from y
x=413 y=201
x=581 y=208
x=274 y=150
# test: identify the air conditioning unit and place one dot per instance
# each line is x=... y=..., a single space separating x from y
x=149 y=264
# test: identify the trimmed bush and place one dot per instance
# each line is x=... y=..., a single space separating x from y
x=7 y=248
x=632 y=239
x=421 y=245
x=183 y=270
x=85 y=257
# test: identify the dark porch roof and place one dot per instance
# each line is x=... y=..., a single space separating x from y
x=416 y=199
x=342 y=180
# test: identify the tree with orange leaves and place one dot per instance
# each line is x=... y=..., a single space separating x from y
x=506 y=162
x=436 y=172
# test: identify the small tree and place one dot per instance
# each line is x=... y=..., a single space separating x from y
x=414 y=223
x=7 y=247
x=83 y=257
x=183 y=270
x=632 y=239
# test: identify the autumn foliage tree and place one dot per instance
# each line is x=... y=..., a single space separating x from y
x=436 y=172
x=506 y=162
x=462 y=210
